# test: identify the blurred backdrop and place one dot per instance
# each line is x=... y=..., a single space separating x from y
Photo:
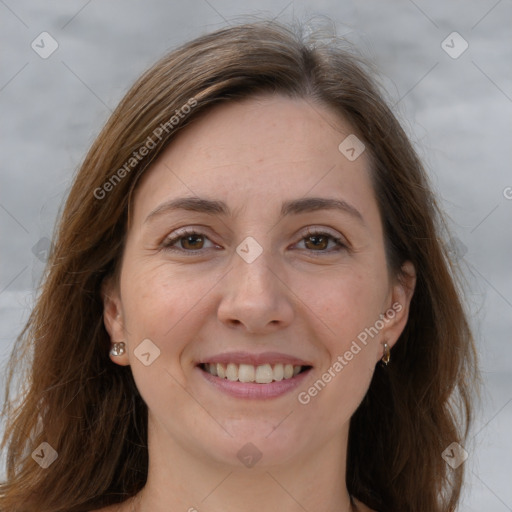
x=446 y=67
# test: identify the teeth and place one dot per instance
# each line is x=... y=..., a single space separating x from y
x=263 y=374
x=246 y=373
x=232 y=371
x=278 y=372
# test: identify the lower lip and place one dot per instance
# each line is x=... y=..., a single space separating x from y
x=253 y=390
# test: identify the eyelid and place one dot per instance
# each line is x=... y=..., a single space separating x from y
x=171 y=239
x=340 y=240
x=321 y=230
x=179 y=233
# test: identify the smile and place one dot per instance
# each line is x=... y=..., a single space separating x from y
x=269 y=389
x=261 y=374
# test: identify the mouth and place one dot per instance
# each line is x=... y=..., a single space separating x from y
x=248 y=373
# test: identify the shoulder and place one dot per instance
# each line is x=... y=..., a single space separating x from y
x=361 y=507
x=123 y=507
x=119 y=507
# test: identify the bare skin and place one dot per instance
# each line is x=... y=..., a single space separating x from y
x=306 y=295
x=131 y=506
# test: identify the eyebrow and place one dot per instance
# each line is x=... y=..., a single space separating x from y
x=291 y=207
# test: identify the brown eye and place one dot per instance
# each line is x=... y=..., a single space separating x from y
x=317 y=241
x=186 y=242
x=191 y=242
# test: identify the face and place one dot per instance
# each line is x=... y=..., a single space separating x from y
x=255 y=250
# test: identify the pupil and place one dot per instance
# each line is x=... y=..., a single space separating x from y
x=190 y=239
x=316 y=238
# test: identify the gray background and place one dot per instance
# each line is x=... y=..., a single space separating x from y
x=457 y=111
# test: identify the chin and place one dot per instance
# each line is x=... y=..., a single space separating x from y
x=255 y=444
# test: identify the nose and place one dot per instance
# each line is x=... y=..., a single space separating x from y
x=255 y=296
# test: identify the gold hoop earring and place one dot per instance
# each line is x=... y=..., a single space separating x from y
x=118 y=349
x=387 y=355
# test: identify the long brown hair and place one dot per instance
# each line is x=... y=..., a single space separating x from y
x=89 y=410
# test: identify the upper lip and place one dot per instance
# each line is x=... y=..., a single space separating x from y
x=255 y=359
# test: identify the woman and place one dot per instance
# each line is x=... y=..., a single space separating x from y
x=248 y=305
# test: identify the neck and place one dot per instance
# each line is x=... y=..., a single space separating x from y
x=181 y=480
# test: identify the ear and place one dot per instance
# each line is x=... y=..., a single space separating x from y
x=113 y=317
x=398 y=306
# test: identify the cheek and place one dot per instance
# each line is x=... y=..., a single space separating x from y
x=345 y=391
x=156 y=299
x=159 y=307
x=345 y=304
x=166 y=306
x=351 y=353
x=348 y=311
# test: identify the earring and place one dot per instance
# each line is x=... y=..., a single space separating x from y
x=118 y=349
x=387 y=355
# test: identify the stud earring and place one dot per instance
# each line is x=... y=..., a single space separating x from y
x=118 y=349
x=387 y=355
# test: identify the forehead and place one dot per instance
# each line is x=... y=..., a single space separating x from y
x=257 y=151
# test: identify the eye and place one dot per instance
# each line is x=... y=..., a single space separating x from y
x=189 y=241
x=318 y=241
x=192 y=241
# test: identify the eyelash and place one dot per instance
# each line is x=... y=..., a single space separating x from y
x=169 y=242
